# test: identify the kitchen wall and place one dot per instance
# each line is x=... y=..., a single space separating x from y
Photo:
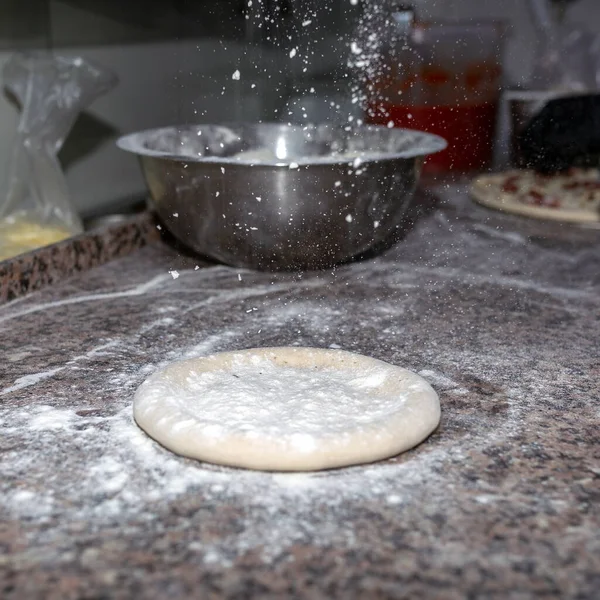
x=176 y=66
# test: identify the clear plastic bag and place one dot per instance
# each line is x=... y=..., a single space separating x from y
x=569 y=62
x=52 y=91
x=567 y=57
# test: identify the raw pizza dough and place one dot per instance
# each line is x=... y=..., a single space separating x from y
x=286 y=409
x=571 y=197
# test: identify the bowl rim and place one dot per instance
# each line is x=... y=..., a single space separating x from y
x=134 y=143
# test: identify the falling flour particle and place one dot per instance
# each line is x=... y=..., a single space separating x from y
x=349 y=218
x=174 y=274
x=236 y=75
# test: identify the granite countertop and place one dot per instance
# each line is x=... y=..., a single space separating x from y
x=499 y=313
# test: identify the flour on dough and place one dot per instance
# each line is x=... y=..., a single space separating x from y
x=286 y=409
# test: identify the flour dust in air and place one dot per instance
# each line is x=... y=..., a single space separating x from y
x=286 y=409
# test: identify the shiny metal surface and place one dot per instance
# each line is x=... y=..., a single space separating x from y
x=316 y=196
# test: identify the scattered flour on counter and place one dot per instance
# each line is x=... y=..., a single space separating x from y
x=105 y=349
x=125 y=477
x=17 y=356
x=214 y=274
x=509 y=236
x=35 y=378
x=138 y=290
x=100 y=468
x=45 y=418
x=109 y=474
x=29 y=380
x=32 y=505
x=206 y=346
x=163 y=322
x=105 y=471
x=305 y=310
x=441 y=382
x=239 y=295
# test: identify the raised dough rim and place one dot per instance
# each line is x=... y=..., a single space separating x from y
x=353 y=448
x=481 y=193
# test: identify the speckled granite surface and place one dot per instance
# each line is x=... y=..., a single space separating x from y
x=35 y=270
x=500 y=314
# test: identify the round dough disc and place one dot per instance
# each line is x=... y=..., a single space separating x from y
x=487 y=191
x=286 y=409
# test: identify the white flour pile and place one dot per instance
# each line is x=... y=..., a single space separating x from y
x=264 y=156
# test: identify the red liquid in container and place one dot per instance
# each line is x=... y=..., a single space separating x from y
x=468 y=129
x=444 y=80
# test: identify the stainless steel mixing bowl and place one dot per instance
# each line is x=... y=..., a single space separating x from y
x=274 y=197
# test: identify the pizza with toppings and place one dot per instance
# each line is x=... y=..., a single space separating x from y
x=572 y=196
